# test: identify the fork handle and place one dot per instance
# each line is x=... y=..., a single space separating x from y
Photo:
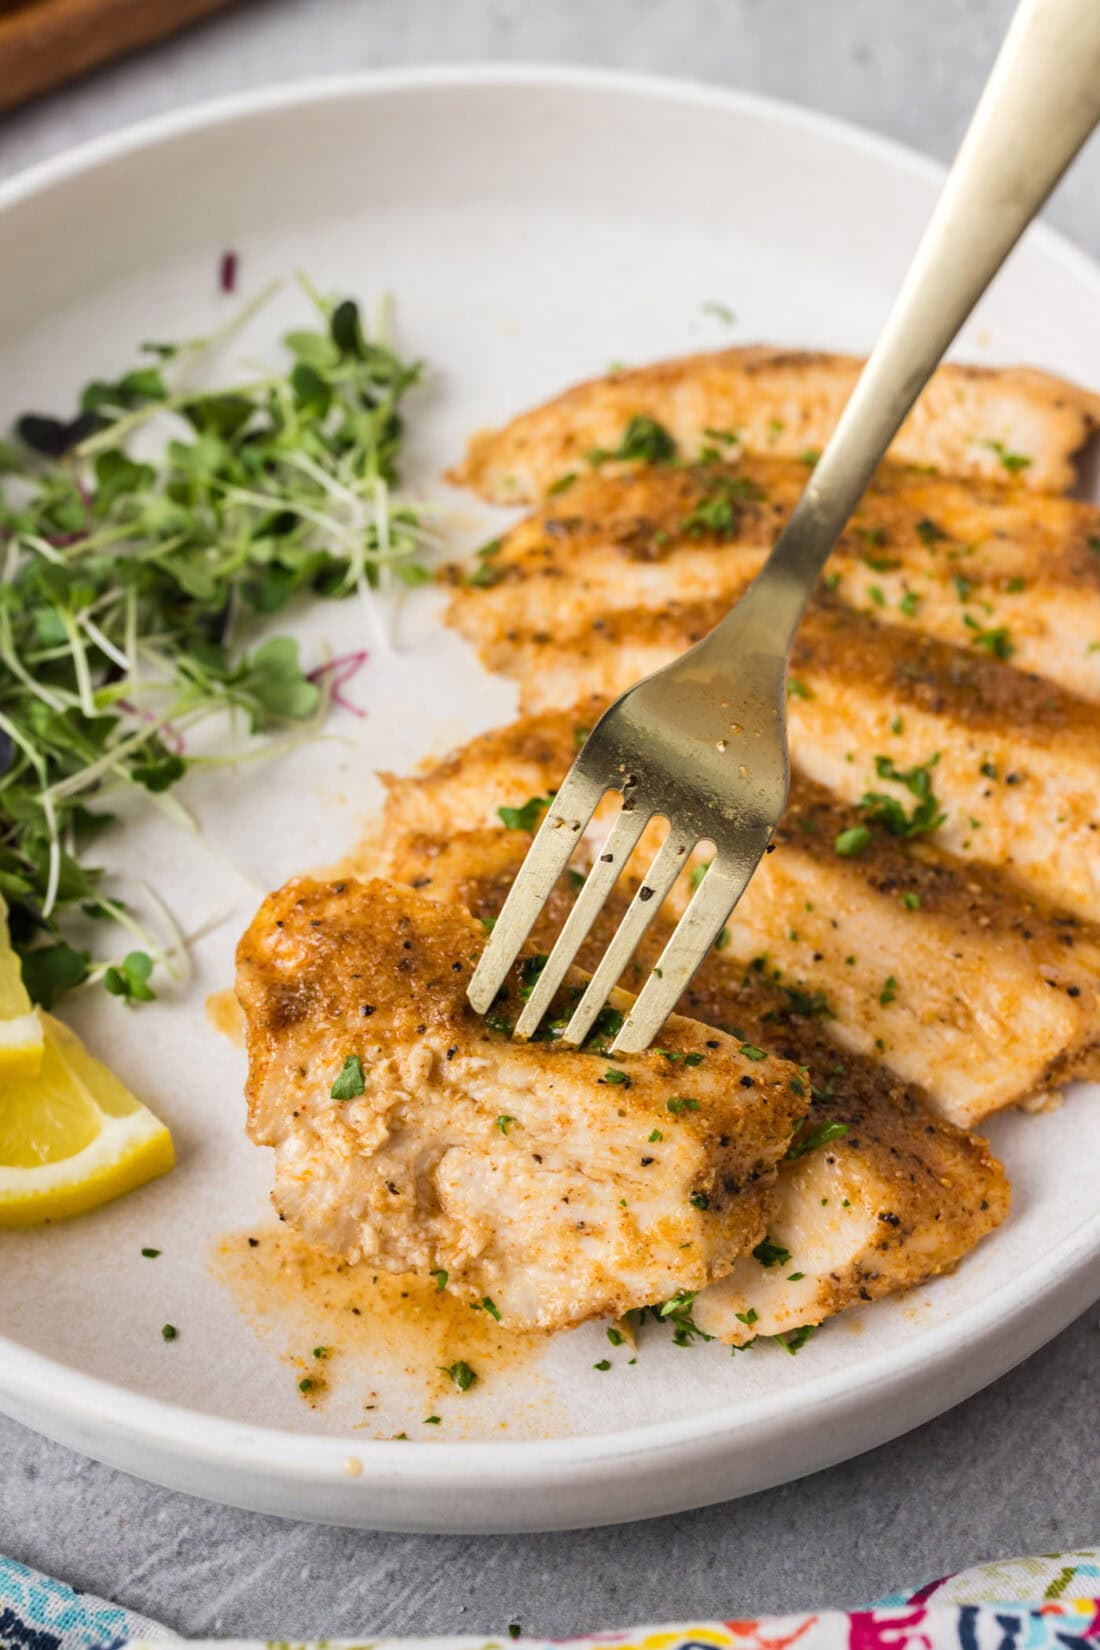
x=1039 y=105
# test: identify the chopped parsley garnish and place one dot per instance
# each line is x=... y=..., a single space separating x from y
x=1013 y=462
x=889 y=991
x=496 y=1021
x=700 y=1200
x=676 y=1057
x=643 y=439
x=796 y=1340
x=887 y=811
x=613 y=1075
x=751 y=1052
x=769 y=1253
x=306 y=1384
x=605 y=1028
x=747 y=1318
x=504 y=1122
x=681 y=1103
x=995 y=639
x=909 y=603
x=723 y=939
x=930 y=532
x=603 y=1366
x=615 y=1336
x=150 y=1254
x=654 y=1136
x=810 y=457
x=797 y=689
x=169 y=1332
x=809 y=1139
x=433 y=1420
x=490 y=1306
x=698 y=872
x=911 y=901
x=562 y=485
x=321 y=1352
x=677 y=1311
x=529 y=970
x=848 y=844
x=721 y=312
x=440 y=1277
x=461 y=1374
x=716 y=513
x=527 y=817
x=351 y=1081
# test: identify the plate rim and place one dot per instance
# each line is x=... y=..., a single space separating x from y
x=55 y=1390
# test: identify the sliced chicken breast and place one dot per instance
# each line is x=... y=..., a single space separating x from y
x=1015 y=758
x=550 y=1185
x=881 y=1194
x=1009 y=424
x=983 y=995
x=981 y=566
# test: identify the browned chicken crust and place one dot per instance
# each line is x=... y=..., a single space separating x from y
x=1011 y=424
x=556 y=1184
x=980 y=566
x=986 y=996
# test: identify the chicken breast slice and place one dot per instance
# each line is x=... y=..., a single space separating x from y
x=1008 y=424
x=410 y=1132
x=975 y=565
x=881 y=1193
x=1016 y=758
x=984 y=996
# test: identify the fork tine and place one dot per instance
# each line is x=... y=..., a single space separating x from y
x=667 y=864
x=547 y=857
x=688 y=944
x=613 y=855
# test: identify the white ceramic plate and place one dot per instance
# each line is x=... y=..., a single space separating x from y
x=534 y=226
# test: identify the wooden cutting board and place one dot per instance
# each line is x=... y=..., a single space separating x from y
x=46 y=42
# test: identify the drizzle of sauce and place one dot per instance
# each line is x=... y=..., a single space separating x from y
x=226 y=1015
x=375 y=1331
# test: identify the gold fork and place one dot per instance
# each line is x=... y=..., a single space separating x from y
x=703 y=742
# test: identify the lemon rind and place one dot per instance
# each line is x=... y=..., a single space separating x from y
x=127 y=1152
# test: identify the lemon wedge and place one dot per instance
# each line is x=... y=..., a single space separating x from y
x=72 y=1136
x=20 y=1025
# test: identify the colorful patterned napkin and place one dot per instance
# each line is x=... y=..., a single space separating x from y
x=1050 y=1603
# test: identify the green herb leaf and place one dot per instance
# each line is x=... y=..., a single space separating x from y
x=527 y=817
x=809 y=1138
x=850 y=843
x=769 y=1253
x=461 y=1374
x=643 y=439
x=351 y=1081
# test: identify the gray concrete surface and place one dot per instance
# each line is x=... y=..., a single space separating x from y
x=1012 y=1471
